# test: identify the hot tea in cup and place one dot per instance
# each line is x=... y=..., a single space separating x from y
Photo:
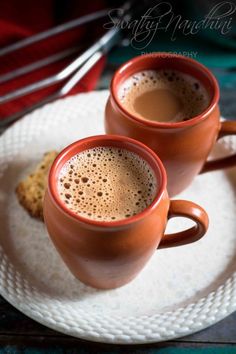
x=163 y=95
x=107 y=183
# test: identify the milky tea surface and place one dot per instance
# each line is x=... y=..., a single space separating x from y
x=163 y=95
x=107 y=184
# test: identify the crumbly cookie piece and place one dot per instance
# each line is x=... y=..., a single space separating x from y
x=30 y=191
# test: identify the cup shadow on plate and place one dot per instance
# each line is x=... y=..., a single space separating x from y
x=219 y=151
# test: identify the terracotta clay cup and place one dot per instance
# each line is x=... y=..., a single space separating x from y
x=108 y=254
x=183 y=146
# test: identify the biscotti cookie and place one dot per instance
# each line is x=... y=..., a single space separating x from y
x=30 y=192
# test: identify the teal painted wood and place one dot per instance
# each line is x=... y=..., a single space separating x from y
x=206 y=52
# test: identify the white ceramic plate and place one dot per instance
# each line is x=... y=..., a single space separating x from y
x=182 y=290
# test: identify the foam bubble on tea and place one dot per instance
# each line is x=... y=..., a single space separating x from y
x=107 y=184
x=163 y=95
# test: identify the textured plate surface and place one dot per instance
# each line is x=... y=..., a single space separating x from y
x=181 y=290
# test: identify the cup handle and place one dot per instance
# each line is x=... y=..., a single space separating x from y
x=226 y=128
x=191 y=211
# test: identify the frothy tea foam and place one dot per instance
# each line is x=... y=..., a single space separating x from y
x=107 y=184
x=163 y=95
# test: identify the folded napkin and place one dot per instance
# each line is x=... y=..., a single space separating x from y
x=20 y=19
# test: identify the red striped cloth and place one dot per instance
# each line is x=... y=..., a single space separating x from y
x=20 y=19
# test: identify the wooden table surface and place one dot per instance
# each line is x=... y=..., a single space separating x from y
x=19 y=334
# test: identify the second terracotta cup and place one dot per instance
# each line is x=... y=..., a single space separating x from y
x=184 y=146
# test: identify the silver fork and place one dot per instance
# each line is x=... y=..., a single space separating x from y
x=73 y=72
x=101 y=49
